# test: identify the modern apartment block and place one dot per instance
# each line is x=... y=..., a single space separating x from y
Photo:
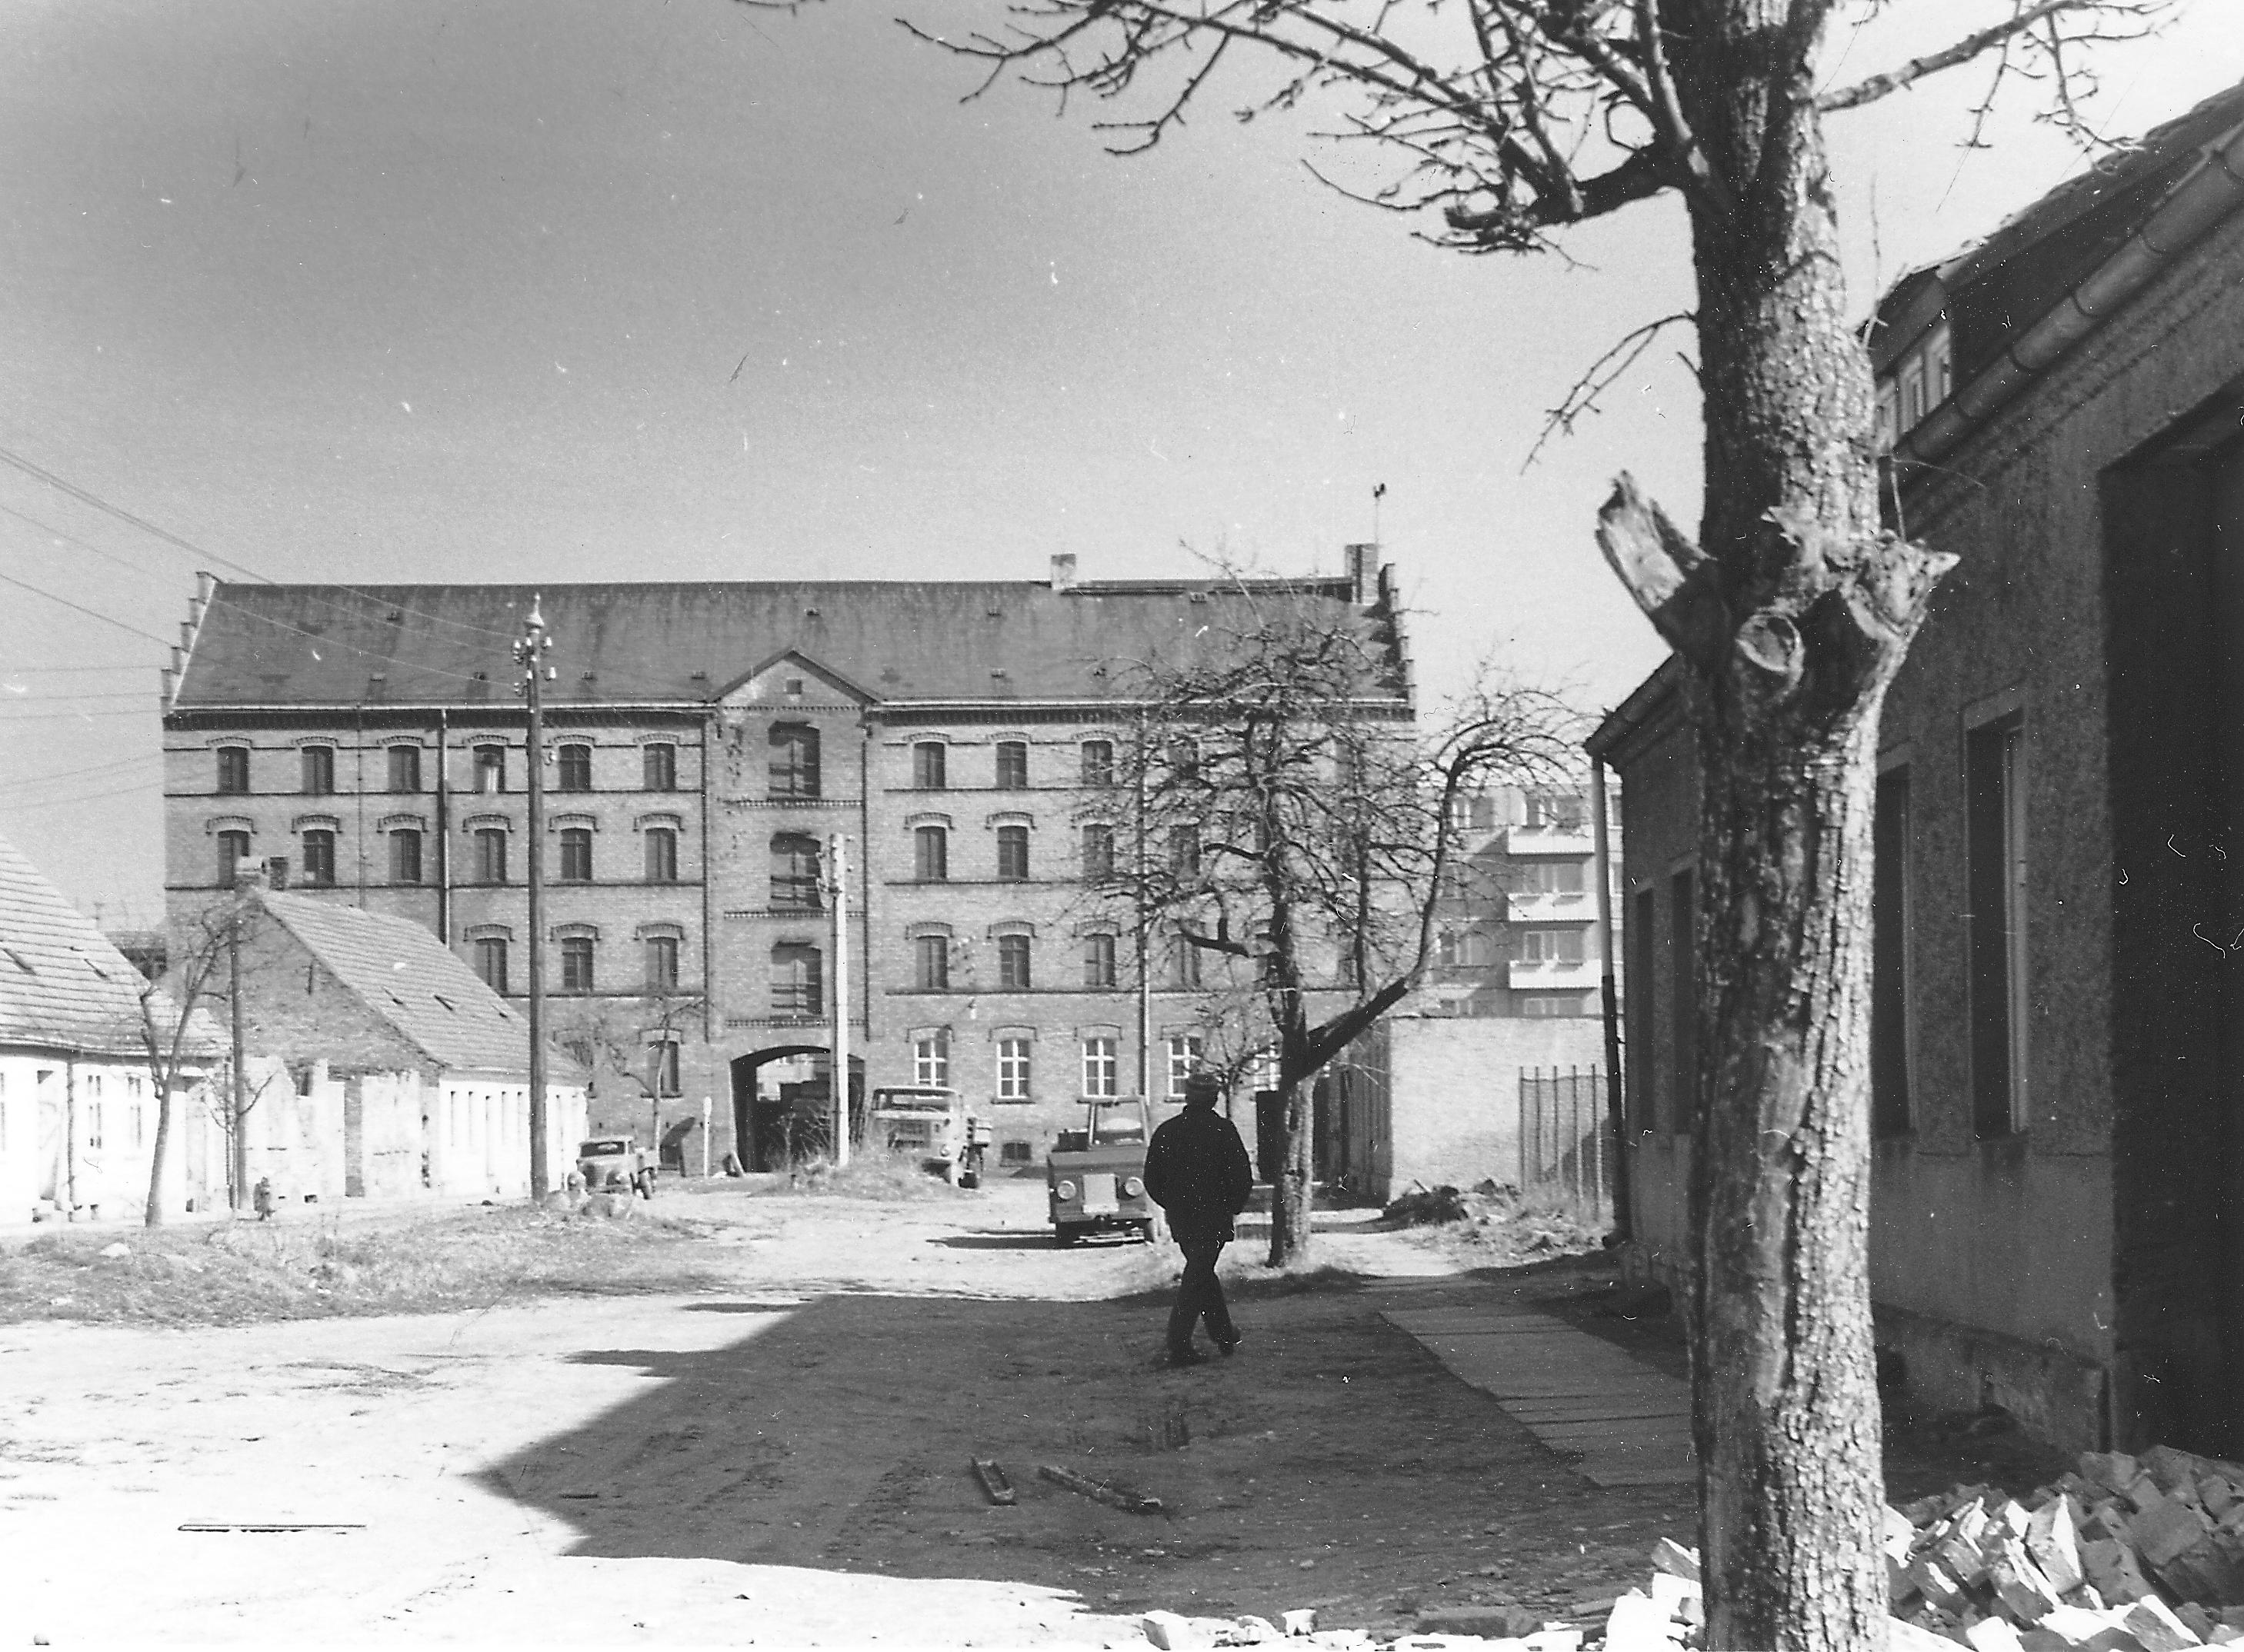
x=704 y=745
x=1518 y=920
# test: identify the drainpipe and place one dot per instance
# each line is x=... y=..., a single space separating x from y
x=1616 y=1110
x=443 y=828
x=2207 y=193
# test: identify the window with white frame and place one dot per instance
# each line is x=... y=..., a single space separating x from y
x=1013 y=1069
x=1996 y=871
x=931 y=1059
x=1186 y=1054
x=1102 y=1066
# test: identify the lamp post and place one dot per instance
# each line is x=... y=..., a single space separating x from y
x=529 y=653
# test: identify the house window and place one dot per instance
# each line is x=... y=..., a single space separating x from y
x=233 y=850
x=1912 y=393
x=1184 y=965
x=576 y=854
x=662 y=963
x=1098 y=853
x=793 y=772
x=490 y=768
x=93 y=1122
x=1550 y=877
x=1098 y=960
x=1016 y=1153
x=318 y=763
x=1102 y=1067
x=1890 y=947
x=1013 y=1069
x=1546 y=947
x=798 y=979
x=662 y=855
x=1555 y=811
x=931 y=961
x=1683 y=1006
x=1187 y=1053
x=658 y=766
x=930 y=853
x=1013 y=964
x=928 y=759
x=795 y=871
x=1994 y=761
x=662 y=1058
x=491 y=963
x=405 y=768
x=491 y=855
x=232 y=770
x=931 y=1059
x=574 y=771
x=405 y=856
x=1012 y=854
x=1642 y=980
x=319 y=858
x=1184 y=850
x=1098 y=762
x=576 y=963
x=1012 y=766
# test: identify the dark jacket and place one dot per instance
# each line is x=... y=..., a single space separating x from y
x=1196 y=1169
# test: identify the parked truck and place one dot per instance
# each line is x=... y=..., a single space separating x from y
x=928 y=1122
x=1095 y=1177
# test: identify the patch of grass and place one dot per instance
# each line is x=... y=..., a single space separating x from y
x=242 y=1272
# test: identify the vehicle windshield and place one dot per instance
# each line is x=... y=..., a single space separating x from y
x=601 y=1150
x=1117 y=1124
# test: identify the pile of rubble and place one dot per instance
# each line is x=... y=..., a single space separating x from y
x=2126 y=1554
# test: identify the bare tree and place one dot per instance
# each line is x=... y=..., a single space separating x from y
x=1511 y=120
x=1276 y=813
x=633 y=1039
x=174 y=1038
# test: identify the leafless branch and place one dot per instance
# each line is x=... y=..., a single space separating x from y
x=1602 y=374
x=2024 y=21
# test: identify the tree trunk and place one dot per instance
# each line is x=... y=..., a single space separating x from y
x=152 y=1216
x=1800 y=619
x=1290 y=1201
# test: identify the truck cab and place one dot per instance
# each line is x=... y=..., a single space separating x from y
x=924 y=1122
x=1095 y=1177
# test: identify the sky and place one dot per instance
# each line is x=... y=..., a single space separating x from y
x=366 y=291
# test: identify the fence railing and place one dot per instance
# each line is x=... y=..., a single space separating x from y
x=1565 y=1142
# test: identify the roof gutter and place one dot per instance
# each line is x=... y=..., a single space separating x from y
x=2207 y=193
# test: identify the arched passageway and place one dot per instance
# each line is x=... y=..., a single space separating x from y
x=782 y=1104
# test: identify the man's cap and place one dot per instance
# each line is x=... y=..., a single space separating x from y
x=1201 y=1086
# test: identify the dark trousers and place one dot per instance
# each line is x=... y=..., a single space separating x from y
x=1200 y=1295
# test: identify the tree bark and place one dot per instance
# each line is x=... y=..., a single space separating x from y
x=1796 y=621
x=152 y=1215
x=1291 y=1202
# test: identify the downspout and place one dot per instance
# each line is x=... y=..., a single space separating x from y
x=358 y=741
x=443 y=828
x=1616 y=1109
x=2207 y=193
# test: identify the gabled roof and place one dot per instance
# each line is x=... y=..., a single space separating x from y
x=678 y=644
x=63 y=985
x=411 y=981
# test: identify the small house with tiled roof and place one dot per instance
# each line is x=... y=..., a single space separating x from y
x=2057 y=1017
x=77 y=1114
x=402 y=1071
x=705 y=745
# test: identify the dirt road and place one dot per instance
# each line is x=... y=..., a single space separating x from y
x=783 y=1462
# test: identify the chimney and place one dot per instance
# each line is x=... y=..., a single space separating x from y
x=1364 y=573
x=1062 y=575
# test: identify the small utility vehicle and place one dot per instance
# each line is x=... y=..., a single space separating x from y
x=1095 y=1177
x=925 y=1122
x=611 y=1164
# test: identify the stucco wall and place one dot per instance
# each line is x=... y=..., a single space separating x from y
x=1452 y=1106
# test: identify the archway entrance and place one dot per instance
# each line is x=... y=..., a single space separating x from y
x=782 y=1104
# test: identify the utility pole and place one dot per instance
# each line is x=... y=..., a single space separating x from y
x=837 y=866
x=237 y=1168
x=530 y=652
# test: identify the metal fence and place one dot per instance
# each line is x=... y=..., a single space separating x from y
x=1566 y=1140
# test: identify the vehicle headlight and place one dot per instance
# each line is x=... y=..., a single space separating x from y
x=1066 y=1190
x=1132 y=1187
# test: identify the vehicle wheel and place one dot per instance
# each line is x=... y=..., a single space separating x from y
x=968 y=1179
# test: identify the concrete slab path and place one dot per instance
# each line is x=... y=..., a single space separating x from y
x=1620 y=1421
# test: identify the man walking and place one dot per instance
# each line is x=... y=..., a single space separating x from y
x=1196 y=1170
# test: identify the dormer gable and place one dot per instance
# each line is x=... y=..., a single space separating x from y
x=792 y=679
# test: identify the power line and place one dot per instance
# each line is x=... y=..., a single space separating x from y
x=7 y=717
x=15 y=805
x=17 y=782
x=81 y=608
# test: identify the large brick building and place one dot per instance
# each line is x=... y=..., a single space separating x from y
x=704 y=744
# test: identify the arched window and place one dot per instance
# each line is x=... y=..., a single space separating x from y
x=658 y=766
x=576 y=854
x=1098 y=762
x=1012 y=766
x=232 y=770
x=930 y=853
x=1098 y=960
x=930 y=761
x=573 y=772
x=319 y=770
x=319 y=857
x=404 y=854
x=662 y=963
x=490 y=767
x=491 y=963
x=1012 y=854
x=491 y=855
x=1013 y=964
x=797 y=981
x=1098 y=853
x=794 y=760
x=794 y=870
x=931 y=963
x=661 y=854
x=405 y=768
x=233 y=850
x=576 y=963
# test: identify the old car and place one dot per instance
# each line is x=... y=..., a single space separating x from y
x=1095 y=1177
x=925 y=1122
x=613 y=1163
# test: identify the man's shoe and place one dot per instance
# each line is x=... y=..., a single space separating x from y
x=1231 y=1347
x=1177 y=1356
